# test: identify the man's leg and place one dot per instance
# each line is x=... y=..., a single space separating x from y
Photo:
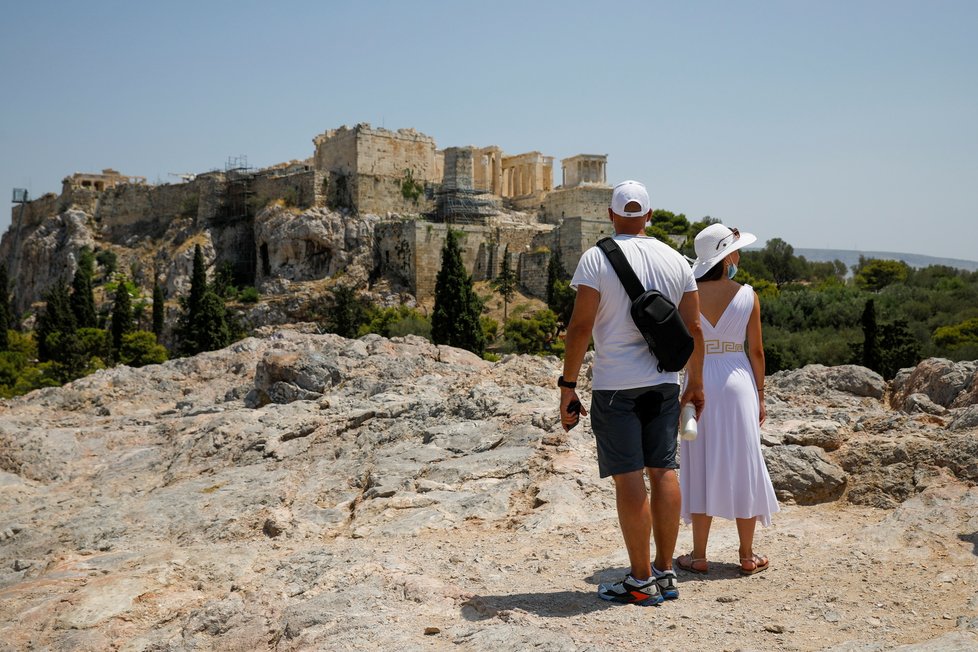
x=635 y=520
x=666 y=505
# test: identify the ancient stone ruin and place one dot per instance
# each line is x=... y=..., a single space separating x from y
x=400 y=192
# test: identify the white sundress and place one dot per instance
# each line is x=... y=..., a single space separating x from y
x=722 y=470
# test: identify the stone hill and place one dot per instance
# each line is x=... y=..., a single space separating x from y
x=298 y=491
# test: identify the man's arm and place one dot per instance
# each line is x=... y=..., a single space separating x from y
x=689 y=310
x=575 y=346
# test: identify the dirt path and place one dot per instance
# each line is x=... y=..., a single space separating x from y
x=841 y=577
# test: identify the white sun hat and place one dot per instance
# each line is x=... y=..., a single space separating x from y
x=714 y=242
x=630 y=191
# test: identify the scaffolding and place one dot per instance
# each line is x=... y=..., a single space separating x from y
x=465 y=205
x=238 y=198
x=238 y=209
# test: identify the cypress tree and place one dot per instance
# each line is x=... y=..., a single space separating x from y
x=198 y=284
x=56 y=318
x=191 y=338
x=5 y=314
x=456 y=317
x=212 y=329
x=82 y=298
x=121 y=315
x=348 y=312
x=505 y=283
x=159 y=310
x=560 y=295
x=871 y=339
x=898 y=348
x=86 y=262
x=555 y=272
x=204 y=325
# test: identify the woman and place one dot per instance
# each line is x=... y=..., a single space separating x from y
x=723 y=471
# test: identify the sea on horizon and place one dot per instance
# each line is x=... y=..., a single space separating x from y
x=851 y=257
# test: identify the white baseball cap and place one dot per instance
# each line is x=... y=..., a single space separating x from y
x=629 y=191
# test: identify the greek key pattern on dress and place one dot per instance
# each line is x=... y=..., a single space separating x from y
x=720 y=346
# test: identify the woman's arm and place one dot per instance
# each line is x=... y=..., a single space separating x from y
x=755 y=348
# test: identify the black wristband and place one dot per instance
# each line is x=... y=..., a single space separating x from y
x=566 y=383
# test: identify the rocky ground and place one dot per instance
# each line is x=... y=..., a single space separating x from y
x=303 y=492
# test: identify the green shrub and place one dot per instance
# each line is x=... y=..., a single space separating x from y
x=953 y=337
x=534 y=334
x=189 y=205
x=249 y=295
x=490 y=328
x=395 y=322
x=411 y=189
x=139 y=348
x=108 y=260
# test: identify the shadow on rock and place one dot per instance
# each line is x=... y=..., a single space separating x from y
x=718 y=571
x=559 y=604
x=972 y=539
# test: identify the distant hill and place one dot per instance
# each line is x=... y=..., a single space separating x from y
x=851 y=258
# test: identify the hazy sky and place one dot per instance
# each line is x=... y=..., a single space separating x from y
x=833 y=124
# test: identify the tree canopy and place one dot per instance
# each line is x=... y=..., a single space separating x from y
x=455 y=319
x=505 y=283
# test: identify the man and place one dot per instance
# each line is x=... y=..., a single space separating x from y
x=634 y=407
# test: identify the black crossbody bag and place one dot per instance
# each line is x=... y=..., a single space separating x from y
x=655 y=316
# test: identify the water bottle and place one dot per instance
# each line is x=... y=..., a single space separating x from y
x=687 y=422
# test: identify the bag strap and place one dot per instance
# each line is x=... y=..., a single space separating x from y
x=620 y=264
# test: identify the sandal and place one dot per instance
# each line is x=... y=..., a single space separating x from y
x=687 y=563
x=760 y=563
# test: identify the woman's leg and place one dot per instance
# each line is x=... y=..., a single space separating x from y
x=745 y=531
x=701 y=534
x=696 y=560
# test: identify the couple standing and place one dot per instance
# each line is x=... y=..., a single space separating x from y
x=635 y=407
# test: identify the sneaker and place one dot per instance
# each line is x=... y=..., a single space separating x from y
x=668 y=585
x=644 y=593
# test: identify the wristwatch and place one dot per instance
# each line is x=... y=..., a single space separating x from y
x=566 y=383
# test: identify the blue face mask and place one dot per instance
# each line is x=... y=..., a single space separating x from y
x=731 y=270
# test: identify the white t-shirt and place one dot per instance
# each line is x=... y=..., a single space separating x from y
x=621 y=356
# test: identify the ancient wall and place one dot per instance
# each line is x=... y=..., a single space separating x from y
x=388 y=153
x=532 y=272
x=127 y=210
x=33 y=212
x=336 y=151
x=365 y=168
x=382 y=195
x=575 y=235
x=301 y=189
x=492 y=249
x=82 y=198
x=409 y=251
x=582 y=201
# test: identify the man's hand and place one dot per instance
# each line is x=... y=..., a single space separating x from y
x=696 y=396
x=571 y=409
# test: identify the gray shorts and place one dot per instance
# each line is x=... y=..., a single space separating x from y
x=635 y=428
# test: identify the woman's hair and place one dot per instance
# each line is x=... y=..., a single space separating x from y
x=715 y=273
